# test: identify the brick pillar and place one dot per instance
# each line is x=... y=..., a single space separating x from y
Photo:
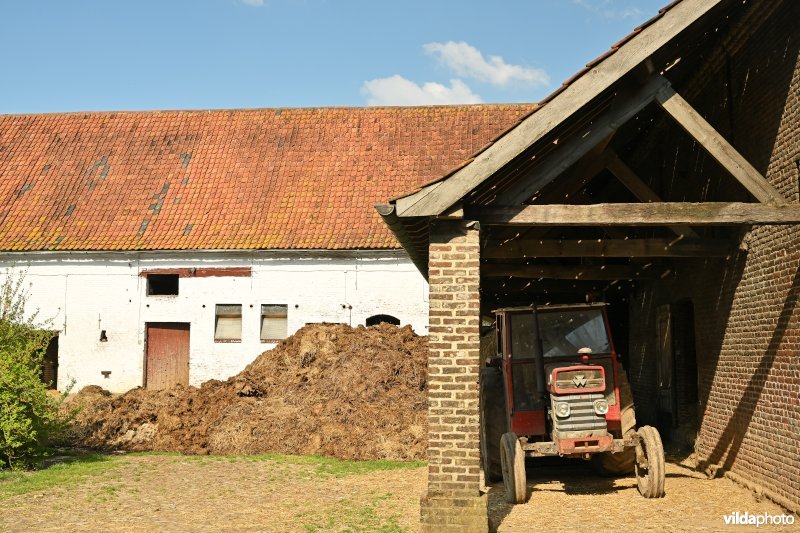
x=453 y=501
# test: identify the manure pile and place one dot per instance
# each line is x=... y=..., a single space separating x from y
x=329 y=389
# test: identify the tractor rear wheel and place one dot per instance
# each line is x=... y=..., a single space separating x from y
x=512 y=459
x=492 y=422
x=622 y=463
x=650 y=466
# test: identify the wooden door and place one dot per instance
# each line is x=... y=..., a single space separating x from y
x=167 y=361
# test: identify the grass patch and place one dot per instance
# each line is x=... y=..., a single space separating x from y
x=324 y=466
x=72 y=470
x=158 y=454
x=328 y=466
x=347 y=516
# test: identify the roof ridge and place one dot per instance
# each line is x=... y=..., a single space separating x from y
x=497 y=105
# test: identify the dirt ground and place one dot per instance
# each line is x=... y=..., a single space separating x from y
x=566 y=496
x=221 y=493
x=213 y=493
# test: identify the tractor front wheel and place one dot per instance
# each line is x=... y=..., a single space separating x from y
x=650 y=463
x=512 y=458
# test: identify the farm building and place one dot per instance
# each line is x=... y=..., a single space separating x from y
x=174 y=247
x=663 y=178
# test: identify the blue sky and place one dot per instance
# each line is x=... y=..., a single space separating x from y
x=82 y=55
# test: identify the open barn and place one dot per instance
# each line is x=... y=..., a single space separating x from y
x=661 y=179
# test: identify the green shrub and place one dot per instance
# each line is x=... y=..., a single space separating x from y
x=29 y=416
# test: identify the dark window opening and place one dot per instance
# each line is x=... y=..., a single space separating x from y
x=378 y=319
x=162 y=284
x=50 y=364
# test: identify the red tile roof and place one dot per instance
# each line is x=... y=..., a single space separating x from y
x=233 y=179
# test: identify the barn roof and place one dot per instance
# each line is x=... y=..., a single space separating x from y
x=597 y=76
x=683 y=27
x=226 y=179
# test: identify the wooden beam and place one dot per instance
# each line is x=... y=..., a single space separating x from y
x=640 y=189
x=580 y=92
x=716 y=145
x=570 y=185
x=520 y=249
x=651 y=214
x=630 y=180
x=623 y=108
x=552 y=285
x=568 y=188
x=580 y=272
x=573 y=181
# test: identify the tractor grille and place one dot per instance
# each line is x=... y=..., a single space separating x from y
x=582 y=416
x=577 y=379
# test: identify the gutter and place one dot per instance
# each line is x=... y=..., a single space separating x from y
x=415 y=246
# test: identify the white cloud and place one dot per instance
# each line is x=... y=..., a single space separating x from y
x=397 y=90
x=254 y=3
x=467 y=61
x=609 y=9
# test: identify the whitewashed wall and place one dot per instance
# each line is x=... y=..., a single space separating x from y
x=84 y=293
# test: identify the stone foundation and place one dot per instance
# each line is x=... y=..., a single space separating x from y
x=444 y=512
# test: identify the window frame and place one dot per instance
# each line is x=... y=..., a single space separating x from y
x=218 y=315
x=261 y=318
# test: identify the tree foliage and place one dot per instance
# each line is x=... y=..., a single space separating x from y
x=29 y=416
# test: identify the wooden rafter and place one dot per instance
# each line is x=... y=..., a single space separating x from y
x=576 y=272
x=716 y=145
x=518 y=248
x=557 y=285
x=640 y=189
x=624 y=107
x=648 y=214
x=574 y=180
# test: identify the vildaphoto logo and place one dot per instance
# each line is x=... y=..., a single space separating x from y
x=758 y=520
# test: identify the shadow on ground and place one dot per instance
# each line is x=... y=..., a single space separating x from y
x=567 y=476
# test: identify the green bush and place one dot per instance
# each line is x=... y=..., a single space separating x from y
x=29 y=416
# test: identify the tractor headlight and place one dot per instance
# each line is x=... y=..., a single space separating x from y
x=600 y=407
x=562 y=409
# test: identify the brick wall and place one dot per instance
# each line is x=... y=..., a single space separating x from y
x=747 y=320
x=453 y=501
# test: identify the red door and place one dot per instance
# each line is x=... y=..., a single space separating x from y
x=167 y=361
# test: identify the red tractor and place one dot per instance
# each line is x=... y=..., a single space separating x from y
x=555 y=388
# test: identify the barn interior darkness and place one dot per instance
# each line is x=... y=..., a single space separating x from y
x=649 y=158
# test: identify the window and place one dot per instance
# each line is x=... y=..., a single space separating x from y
x=162 y=284
x=567 y=332
x=562 y=333
x=228 y=324
x=377 y=319
x=274 y=323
